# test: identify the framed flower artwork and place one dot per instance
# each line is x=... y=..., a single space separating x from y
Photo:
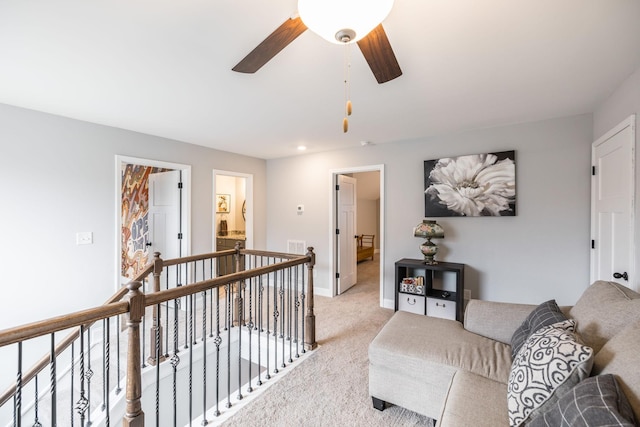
x=471 y=185
x=223 y=203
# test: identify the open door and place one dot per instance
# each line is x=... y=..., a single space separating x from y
x=164 y=214
x=346 y=234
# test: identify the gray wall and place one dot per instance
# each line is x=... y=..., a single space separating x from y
x=59 y=178
x=541 y=253
x=624 y=102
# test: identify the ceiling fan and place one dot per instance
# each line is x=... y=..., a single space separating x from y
x=374 y=45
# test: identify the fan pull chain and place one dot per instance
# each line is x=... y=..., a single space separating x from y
x=347 y=88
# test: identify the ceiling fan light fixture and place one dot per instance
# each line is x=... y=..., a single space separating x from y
x=332 y=19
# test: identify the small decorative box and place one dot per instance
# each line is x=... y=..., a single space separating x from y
x=413 y=285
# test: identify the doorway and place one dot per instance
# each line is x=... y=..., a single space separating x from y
x=232 y=218
x=365 y=205
x=152 y=213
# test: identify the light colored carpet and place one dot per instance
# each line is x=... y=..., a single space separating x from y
x=331 y=387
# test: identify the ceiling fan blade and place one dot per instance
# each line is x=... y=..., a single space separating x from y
x=278 y=40
x=377 y=51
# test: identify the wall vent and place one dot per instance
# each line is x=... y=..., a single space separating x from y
x=298 y=247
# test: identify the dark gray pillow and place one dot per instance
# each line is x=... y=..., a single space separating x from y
x=545 y=314
x=596 y=401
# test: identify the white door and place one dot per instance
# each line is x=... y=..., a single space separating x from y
x=347 y=260
x=164 y=221
x=612 y=201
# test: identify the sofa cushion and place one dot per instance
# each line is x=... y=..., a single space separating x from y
x=462 y=408
x=603 y=310
x=594 y=402
x=417 y=345
x=620 y=356
x=549 y=363
x=545 y=314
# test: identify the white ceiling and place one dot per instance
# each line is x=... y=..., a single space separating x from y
x=163 y=67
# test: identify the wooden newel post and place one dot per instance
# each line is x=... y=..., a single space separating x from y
x=310 y=318
x=134 y=416
x=235 y=288
x=156 y=328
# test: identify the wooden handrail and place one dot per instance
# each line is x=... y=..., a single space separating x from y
x=155 y=298
x=134 y=305
x=62 y=345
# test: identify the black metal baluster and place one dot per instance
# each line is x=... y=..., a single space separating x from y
x=217 y=341
x=297 y=307
x=276 y=314
x=36 y=423
x=186 y=310
x=204 y=354
x=158 y=362
x=228 y=289
x=190 y=338
x=282 y=310
x=240 y=321
x=118 y=388
x=175 y=360
x=268 y=320
x=302 y=296
x=260 y=330
x=289 y=312
x=53 y=380
x=211 y=299
x=17 y=400
x=166 y=328
x=88 y=375
x=83 y=403
x=249 y=330
x=107 y=367
x=73 y=367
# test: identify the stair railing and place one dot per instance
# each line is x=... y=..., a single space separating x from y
x=251 y=297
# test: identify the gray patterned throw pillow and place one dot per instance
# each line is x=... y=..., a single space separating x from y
x=549 y=364
x=545 y=314
x=594 y=402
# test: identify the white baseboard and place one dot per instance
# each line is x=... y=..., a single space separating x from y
x=389 y=303
x=323 y=292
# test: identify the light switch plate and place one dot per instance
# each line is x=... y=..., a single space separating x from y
x=84 y=238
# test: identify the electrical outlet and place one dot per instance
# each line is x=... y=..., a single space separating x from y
x=467 y=294
x=84 y=238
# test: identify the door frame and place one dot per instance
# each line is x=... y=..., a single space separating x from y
x=333 y=220
x=186 y=206
x=249 y=198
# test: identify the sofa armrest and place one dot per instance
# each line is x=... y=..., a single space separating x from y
x=495 y=320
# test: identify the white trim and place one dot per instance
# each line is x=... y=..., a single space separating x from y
x=186 y=204
x=249 y=199
x=333 y=173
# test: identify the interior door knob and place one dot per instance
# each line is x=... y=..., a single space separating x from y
x=624 y=276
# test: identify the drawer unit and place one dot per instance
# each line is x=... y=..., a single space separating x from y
x=411 y=303
x=441 y=308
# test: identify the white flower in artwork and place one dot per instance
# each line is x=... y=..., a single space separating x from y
x=475 y=185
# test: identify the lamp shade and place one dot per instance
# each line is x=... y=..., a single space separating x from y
x=328 y=17
x=429 y=229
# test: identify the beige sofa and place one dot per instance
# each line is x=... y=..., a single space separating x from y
x=458 y=374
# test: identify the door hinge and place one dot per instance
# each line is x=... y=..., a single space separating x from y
x=179 y=236
x=337 y=231
x=337 y=187
x=593 y=170
x=337 y=275
x=593 y=244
